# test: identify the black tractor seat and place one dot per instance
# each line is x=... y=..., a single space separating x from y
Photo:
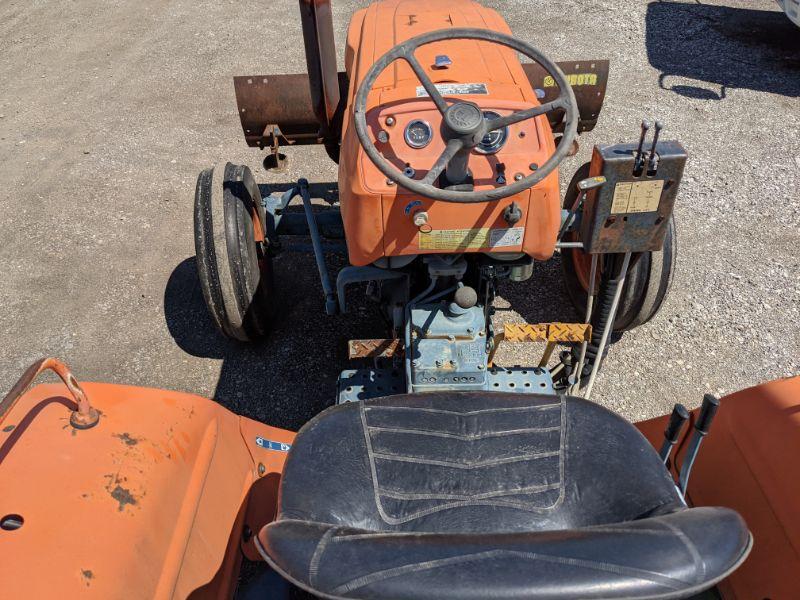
x=474 y=496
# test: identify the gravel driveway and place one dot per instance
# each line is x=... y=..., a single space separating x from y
x=108 y=110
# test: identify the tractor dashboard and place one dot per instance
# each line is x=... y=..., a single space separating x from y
x=409 y=135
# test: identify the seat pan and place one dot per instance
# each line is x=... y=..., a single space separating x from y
x=475 y=495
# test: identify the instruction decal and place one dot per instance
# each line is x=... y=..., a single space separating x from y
x=455 y=89
x=637 y=196
x=471 y=239
x=270 y=445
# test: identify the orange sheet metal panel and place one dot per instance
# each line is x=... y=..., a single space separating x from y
x=749 y=462
x=148 y=503
x=377 y=216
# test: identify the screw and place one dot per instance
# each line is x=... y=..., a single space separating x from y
x=453 y=363
x=420 y=218
x=481 y=334
x=470 y=330
x=451 y=338
x=480 y=367
x=261 y=469
x=518 y=177
x=389 y=182
x=533 y=166
x=439 y=363
x=390 y=121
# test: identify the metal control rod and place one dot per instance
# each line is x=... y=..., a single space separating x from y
x=618 y=283
x=587 y=319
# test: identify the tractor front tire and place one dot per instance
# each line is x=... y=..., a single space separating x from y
x=234 y=269
x=648 y=280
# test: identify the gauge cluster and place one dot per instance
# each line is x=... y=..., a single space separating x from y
x=418 y=134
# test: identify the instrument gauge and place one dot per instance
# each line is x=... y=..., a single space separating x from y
x=494 y=140
x=418 y=134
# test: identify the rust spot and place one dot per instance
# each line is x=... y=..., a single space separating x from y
x=127 y=439
x=8 y=428
x=87 y=576
x=123 y=496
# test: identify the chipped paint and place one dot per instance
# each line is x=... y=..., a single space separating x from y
x=87 y=576
x=123 y=496
x=8 y=428
x=127 y=439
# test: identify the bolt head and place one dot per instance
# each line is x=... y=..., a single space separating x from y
x=389 y=182
x=383 y=137
x=518 y=177
x=420 y=218
x=390 y=121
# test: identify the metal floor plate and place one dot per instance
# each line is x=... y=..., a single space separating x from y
x=363 y=384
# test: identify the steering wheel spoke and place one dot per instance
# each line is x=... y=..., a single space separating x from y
x=452 y=148
x=426 y=82
x=524 y=115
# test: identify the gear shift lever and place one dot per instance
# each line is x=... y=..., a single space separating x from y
x=701 y=427
x=677 y=419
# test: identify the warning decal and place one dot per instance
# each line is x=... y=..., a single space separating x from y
x=455 y=89
x=637 y=197
x=471 y=239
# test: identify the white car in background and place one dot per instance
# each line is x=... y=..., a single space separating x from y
x=792 y=10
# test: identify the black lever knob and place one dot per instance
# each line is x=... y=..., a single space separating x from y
x=707 y=413
x=678 y=417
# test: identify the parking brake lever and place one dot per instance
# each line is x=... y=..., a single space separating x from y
x=677 y=419
x=707 y=412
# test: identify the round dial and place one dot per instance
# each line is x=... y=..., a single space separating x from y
x=418 y=134
x=494 y=140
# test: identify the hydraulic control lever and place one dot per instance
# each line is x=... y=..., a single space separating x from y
x=677 y=419
x=652 y=165
x=707 y=412
x=638 y=164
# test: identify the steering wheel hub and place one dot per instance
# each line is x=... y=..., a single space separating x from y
x=464 y=118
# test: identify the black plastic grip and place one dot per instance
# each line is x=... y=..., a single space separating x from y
x=678 y=417
x=707 y=412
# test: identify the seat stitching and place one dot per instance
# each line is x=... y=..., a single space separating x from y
x=471 y=412
x=699 y=563
x=373 y=469
x=467 y=437
x=563 y=447
x=465 y=465
x=313 y=566
x=524 y=506
x=534 y=489
x=631 y=572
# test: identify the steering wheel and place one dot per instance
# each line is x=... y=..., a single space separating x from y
x=464 y=124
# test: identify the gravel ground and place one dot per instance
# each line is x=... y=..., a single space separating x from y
x=108 y=110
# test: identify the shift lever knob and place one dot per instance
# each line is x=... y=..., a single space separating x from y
x=707 y=413
x=678 y=417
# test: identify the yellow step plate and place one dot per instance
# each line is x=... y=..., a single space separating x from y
x=547 y=332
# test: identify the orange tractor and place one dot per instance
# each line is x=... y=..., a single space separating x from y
x=438 y=473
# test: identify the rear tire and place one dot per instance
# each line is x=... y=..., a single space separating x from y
x=649 y=275
x=235 y=270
